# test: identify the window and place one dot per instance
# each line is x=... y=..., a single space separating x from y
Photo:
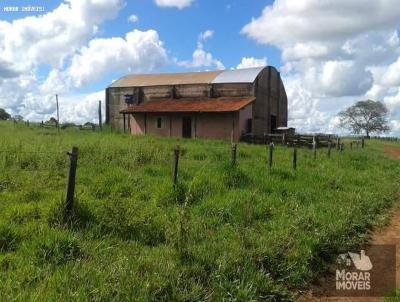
x=159 y=123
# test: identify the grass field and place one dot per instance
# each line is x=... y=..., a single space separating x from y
x=223 y=234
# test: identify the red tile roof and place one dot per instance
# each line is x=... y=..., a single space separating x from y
x=224 y=104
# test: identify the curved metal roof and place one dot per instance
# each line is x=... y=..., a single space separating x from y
x=161 y=79
x=209 y=77
x=247 y=75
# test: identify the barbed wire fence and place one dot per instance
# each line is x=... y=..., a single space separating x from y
x=65 y=163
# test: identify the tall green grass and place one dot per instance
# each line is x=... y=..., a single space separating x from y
x=222 y=234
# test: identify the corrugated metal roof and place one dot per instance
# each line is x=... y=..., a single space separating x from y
x=224 y=104
x=247 y=75
x=215 y=77
x=142 y=80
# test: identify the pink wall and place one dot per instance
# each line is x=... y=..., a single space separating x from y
x=245 y=114
x=217 y=125
x=204 y=125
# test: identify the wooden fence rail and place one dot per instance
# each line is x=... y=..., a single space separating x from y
x=292 y=139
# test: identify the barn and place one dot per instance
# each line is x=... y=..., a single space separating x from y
x=214 y=104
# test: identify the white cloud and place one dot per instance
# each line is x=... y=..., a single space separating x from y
x=82 y=108
x=180 y=4
x=204 y=36
x=133 y=19
x=50 y=38
x=200 y=57
x=250 y=62
x=288 y=21
x=77 y=109
x=345 y=78
x=140 y=51
x=338 y=52
x=392 y=76
x=64 y=39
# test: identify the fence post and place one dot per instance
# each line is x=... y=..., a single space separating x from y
x=294 y=158
x=351 y=145
x=233 y=154
x=58 y=114
x=284 y=139
x=271 y=152
x=338 y=143
x=100 y=117
x=73 y=163
x=175 y=165
x=314 y=146
x=329 y=149
x=341 y=147
x=362 y=142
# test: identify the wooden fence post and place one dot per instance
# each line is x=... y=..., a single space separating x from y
x=329 y=149
x=73 y=163
x=271 y=152
x=294 y=158
x=341 y=147
x=58 y=114
x=175 y=165
x=338 y=143
x=362 y=143
x=351 y=145
x=284 y=139
x=314 y=146
x=233 y=154
x=100 y=117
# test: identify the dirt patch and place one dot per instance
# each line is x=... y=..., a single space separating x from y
x=392 y=151
x=387 y=235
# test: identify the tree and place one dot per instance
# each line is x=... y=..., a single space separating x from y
x=52 y=120
x=4 y=115
x=18 y=118
x=365 y=116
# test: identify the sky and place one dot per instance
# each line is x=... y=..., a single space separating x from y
x=331 y=53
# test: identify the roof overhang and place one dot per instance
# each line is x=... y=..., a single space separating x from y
x=224 y=104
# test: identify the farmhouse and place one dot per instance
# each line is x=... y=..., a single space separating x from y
x=214 y=104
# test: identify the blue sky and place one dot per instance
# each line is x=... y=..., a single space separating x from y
x=331 y=53
x=179 y=30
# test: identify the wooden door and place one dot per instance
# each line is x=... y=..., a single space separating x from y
x=187 y=127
